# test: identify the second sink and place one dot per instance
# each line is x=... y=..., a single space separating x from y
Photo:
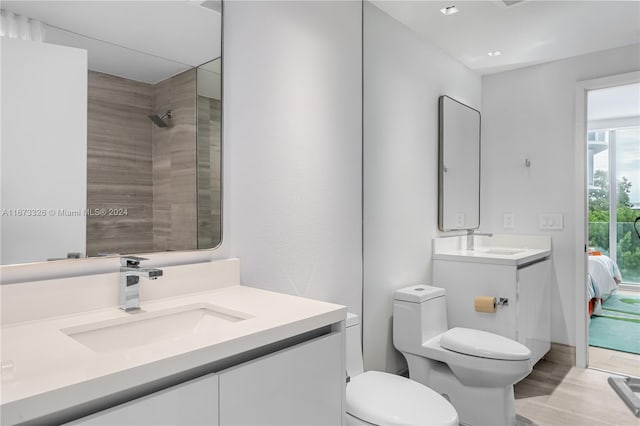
x=502 y=251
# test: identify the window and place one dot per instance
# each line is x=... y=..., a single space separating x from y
x=614 y=196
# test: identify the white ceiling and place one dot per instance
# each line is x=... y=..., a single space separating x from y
x=168 y=37
x=527 y=33
x=146 y=41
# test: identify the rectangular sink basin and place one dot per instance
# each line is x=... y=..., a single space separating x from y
x=150 y=327
x=503 y=252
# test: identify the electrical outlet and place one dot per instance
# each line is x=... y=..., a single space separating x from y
x=508 y=221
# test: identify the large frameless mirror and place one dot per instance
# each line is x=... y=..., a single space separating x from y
x=111 y=128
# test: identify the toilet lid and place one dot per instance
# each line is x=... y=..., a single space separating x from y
x=386 y=399
x=483 y=344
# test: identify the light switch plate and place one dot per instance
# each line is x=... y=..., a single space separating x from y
x=508 y=221
x=550 y=221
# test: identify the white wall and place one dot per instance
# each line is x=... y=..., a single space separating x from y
x=530 y=112
x=291 y=155
x=403 y=78
x=293 y=146
x=44 y=116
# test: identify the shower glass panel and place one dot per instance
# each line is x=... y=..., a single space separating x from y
x=208 y=153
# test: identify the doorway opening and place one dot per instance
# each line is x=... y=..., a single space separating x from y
x=613 y=204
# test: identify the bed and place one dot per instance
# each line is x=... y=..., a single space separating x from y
x=603 y=278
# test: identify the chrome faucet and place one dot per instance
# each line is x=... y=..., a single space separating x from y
x=470 y=240
x=130 y=273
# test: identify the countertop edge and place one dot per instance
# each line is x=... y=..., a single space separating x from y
x=537 y=254
x=94 y=389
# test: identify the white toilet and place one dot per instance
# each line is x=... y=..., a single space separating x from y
x=473 y=369
x=377 y=398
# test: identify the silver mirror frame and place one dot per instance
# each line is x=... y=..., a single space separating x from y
x=441 y=163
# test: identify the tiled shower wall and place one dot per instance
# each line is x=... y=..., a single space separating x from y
x=208 y=172
x=135 y=165
x=119 y=165
x=174 y=165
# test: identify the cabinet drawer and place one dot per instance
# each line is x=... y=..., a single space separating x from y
x=301 y=385
x=191 y=403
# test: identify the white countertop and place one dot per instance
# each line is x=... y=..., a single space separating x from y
x=495 y=255
x=45 y=370
x=500 y=249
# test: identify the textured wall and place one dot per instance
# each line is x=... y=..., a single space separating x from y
x=208 y=172
x=119 y=165
x=174 y=164
x=135 y=165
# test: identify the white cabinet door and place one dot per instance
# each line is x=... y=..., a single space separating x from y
x=190 y=403
x=534 y=308
x=301 y=385
x=464 y=281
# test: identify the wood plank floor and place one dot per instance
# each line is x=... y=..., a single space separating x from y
x=560 y=395
x=614 y=361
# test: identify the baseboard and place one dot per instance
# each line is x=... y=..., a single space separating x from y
x=561 y=354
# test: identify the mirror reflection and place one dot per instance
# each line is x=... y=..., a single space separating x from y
x=111 y=128
x=208 y=154
x=459 y=166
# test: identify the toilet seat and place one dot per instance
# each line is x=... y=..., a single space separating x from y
x=387 y=399
x=483 y=344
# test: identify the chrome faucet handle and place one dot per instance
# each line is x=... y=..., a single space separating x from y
x=131 y=261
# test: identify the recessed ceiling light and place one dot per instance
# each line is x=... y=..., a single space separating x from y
x=450 y=10
x=494 y=53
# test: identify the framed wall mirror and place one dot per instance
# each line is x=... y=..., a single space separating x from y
x=111 y=128
x=458 y=166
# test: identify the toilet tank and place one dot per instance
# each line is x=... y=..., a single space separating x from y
x=354 y=346
x=419 y=313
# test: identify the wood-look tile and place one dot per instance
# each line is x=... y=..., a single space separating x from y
x=119 y=164
x=561 y=354
x=174 y=164
x=151 y=171
x=208 y=171
x=557 y=394
x=119 y=90
x=614 y=361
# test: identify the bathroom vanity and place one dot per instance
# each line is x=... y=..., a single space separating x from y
x=513 y=268
x=204 y=350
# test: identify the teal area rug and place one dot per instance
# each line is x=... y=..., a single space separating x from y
x=618 y=326
x=622 y=304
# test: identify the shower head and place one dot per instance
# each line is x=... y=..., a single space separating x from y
x=159 y=119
